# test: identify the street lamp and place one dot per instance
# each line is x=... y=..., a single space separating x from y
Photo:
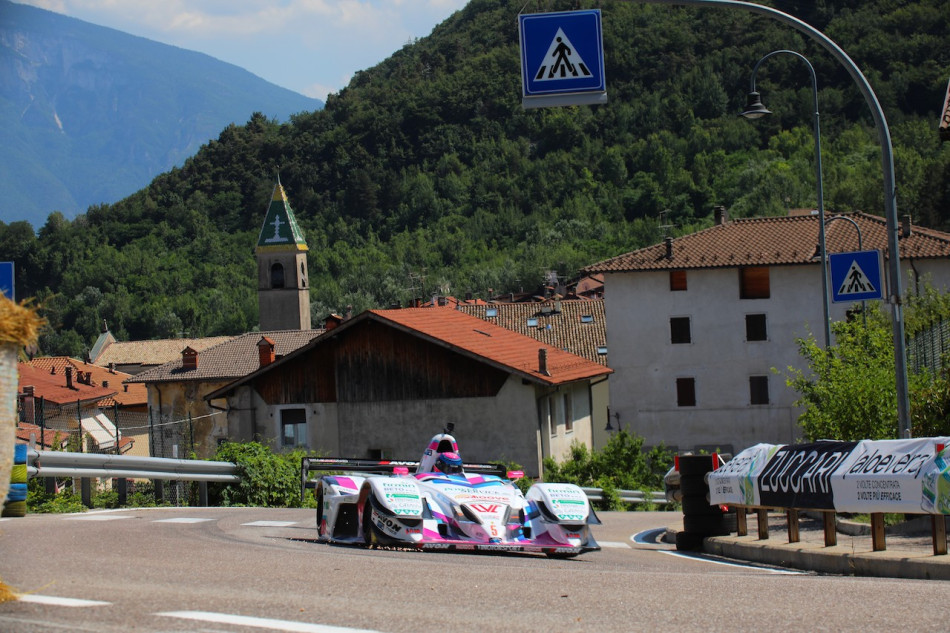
x=887 y=165
x=754 y=110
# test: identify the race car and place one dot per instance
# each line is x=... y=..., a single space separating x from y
x=446 y=504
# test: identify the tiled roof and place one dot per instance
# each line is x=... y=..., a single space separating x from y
x=45 y=438
x=126 y=395
x=578 y=326
x=155 y=352
x=234 y=358
x=491 y=343
x=785 y=240
x=52 y=387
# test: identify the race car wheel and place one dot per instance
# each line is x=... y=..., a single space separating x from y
x=320 y=510
x=369 y=530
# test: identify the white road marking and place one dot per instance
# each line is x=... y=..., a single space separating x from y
x=182 y=520
x=703 y=559
x=261 y=623
x=61 y=602
x=269 y=523
x=606 y=544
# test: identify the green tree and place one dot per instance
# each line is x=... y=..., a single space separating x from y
x=849 y=391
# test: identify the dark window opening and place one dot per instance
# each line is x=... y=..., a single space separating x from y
x=686 y=392
x=679 y=330
x=277 y=276
x=293 y=423
x=758 y=389
x=756 y=328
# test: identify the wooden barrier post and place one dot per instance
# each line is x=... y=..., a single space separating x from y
x=763 y=520
x=831 y=531
x=877 y=532
x=742 y=526
x=939 y=531
x=792 y=519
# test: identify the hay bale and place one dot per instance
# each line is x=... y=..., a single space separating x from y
x=19 y=326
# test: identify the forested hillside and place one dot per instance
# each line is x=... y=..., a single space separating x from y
x=426 y=175
x=89 y=114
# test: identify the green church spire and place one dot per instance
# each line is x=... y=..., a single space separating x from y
x=280 y=231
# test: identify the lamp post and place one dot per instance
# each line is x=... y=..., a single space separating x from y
x=890 y=190
x=754 y=110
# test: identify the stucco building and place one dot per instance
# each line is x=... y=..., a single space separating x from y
x=701 y=327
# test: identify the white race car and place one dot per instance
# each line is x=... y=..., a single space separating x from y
x=445 y=505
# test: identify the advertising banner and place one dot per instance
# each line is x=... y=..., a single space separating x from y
x=734 y=483
x=799 y=475
x=909 y=476
x=887 y=476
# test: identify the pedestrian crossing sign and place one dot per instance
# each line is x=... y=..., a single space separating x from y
x=856 y=276
x=562 y=59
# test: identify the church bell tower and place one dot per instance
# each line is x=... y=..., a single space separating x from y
x=283 y=293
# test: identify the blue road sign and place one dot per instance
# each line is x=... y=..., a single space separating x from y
x=562 y=58
x=6 y=280
x=856 y=276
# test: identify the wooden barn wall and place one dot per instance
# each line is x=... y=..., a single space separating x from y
x=377 y=363
x=307 y=378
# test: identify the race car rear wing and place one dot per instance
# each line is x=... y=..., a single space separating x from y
x=379 y=466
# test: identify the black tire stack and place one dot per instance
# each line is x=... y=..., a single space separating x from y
x=699 y=518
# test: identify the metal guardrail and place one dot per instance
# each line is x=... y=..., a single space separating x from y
x=629 y=496
x=90 y=465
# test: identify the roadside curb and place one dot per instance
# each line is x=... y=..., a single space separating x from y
x=831 y=560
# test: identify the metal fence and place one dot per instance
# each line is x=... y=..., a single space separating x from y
x=85 y=428
x=928 y=349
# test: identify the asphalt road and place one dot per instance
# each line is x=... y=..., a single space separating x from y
x=252 y=569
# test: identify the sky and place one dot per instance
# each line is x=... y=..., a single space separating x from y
x=309 y=46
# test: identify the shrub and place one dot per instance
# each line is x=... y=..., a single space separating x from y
x=267 y=479
x=620 y=465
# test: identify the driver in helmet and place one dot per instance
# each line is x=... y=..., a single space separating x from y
x=448 y=464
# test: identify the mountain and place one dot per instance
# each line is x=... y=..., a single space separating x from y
x=89 y=115
x=425 y=175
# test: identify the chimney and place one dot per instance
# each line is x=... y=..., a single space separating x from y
x=332 y=322
x=105 y=383
x=265 y=351
x=905 y=226
x=29 y=404
x=720 y=216
x=543 y=362
x=69 y=377
x=189 y=358
x=125 y=388
x=669 y=248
